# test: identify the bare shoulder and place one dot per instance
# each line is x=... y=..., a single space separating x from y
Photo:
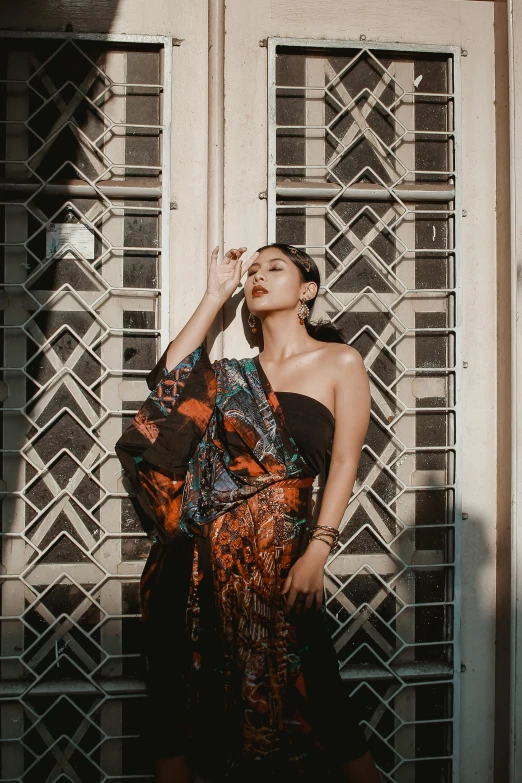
x=341 y=368
x=351 y=387
x=344 y=358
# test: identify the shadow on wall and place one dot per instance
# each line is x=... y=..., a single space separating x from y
x=60 y=16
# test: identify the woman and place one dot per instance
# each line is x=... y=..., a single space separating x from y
x=242 y=680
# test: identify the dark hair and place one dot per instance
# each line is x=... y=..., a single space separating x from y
x=320 y=330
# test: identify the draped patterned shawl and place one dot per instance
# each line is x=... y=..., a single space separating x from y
x=210 y=445
x=208 y=436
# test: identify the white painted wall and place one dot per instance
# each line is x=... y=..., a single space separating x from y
x=515 y=55
x=465 y=24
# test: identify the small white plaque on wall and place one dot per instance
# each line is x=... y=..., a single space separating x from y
x=76 y=234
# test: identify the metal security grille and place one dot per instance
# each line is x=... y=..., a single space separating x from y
x=363 y=162
x=84 y=138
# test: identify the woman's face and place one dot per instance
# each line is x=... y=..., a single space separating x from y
x=273 y=282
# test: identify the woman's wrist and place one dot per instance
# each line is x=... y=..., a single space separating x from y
x=214 y=300
x=319 y=549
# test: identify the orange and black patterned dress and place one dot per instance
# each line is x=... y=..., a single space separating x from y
x=222 y=468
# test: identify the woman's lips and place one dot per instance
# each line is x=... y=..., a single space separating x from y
x=259 y=291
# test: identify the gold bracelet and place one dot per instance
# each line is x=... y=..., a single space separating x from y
x=331 y=530
x=320 y=537
x=326 y=530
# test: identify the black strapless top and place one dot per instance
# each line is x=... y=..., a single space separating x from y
x=311 y=424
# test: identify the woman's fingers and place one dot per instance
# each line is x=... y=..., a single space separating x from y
x=232 y=258
x=248 y=263
x=236 y=266
x=227 y=258
x=237 y=263
x=299 y=598
x=286 y=584
x=290 y=601
x=233 y=255
x=214 y=256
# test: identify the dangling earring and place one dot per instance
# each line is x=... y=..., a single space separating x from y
x=252 y=322
x=303 y=311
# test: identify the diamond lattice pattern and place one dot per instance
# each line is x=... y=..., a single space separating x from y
x=81 y=181
x=365 y=182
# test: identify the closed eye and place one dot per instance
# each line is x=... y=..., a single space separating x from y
x=272 y=269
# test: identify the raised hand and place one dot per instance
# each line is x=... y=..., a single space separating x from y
x=224 y=278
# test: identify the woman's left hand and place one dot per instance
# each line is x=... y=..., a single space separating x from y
x=304 y=584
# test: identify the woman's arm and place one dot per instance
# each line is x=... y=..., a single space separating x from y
x=352 y=416
x=154 y=450
x=223 y=279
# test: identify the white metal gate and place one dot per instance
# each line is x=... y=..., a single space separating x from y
x=84 y=217
x=364 y=174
